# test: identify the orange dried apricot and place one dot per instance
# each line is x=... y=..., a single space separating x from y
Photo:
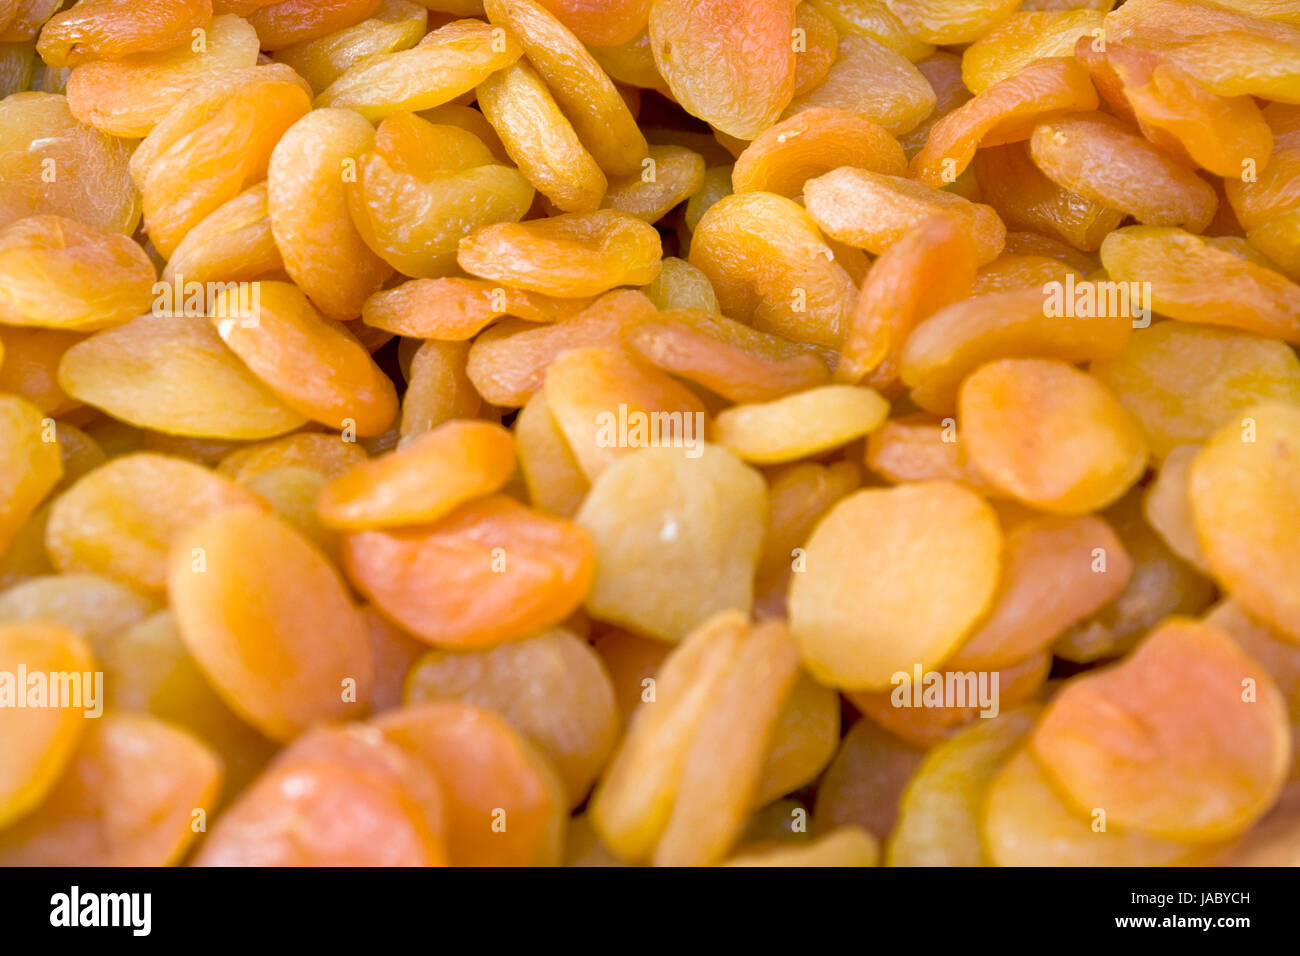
x=583 y=91
x=431 y=476
x=270 y=621
x=1193 y=281
x=947 y=347
x=1055 y=573
x=1006 y=112
x=803 y=425
x=148 y=670
x=52 y=165
x=196 y=168
x=29 y=367
x=1162 y=584
x=61 y=274
x=39 y=741
x=292 y=814
x=294 y=21
x=811 y=143
x=771 y=268
x=307 y=202
x=327 y=454
x=290 y=346
x=1026 y=199
x=395 y=25
x=568 y=256
x=940 y=812
x=728 y=62
x=668 y=175
x=234 y=243
x=128 y=96
x=504 y=804
x=555 y=482
x=507 y=572
x=1026 y=823
x=1186 y=739
x=1183 y=382
x=1093 y=155
x=606 y=403
x=30 y=465
x=95 y=29
x=921 y=447
x=1024 y=38
x=507 y=364
x=122 y=518
x=438 y=390
x=1050 y=435
x=729 y=358
x=930 y=267
x=667 y=797
x=1242 y=487
x=128 y=797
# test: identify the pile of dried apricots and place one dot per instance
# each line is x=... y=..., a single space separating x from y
x=525 y=432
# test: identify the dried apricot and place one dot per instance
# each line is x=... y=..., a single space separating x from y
x=872 y=80
x=676 y=538
x=1006 y=112
x=292 y=815
x=728 y=62
x=51 y=164
x=771 y=268
x=448 y=62
x=61 y=274
x=551 y=687
x=947 y=347
x=1192 y=280
x=423 y=481
x=128 y=96
x=860 y=608
x=30 y=465
x=940 y=812
x=1167 y=742
x=1050 y=435
x=270 y=621
x=507 y=572
x=395 y=25
x=1243 y=493
x=569 y=256
x=503 y=802
x=94 y=29
x=128 y=797
x=801 y=425
x=588 y=97
x=39 y=740
x=307 y=202
x=811 y=143
x=122 y=518
x=872 y=211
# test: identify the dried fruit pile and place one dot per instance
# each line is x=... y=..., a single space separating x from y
x=541 y=431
